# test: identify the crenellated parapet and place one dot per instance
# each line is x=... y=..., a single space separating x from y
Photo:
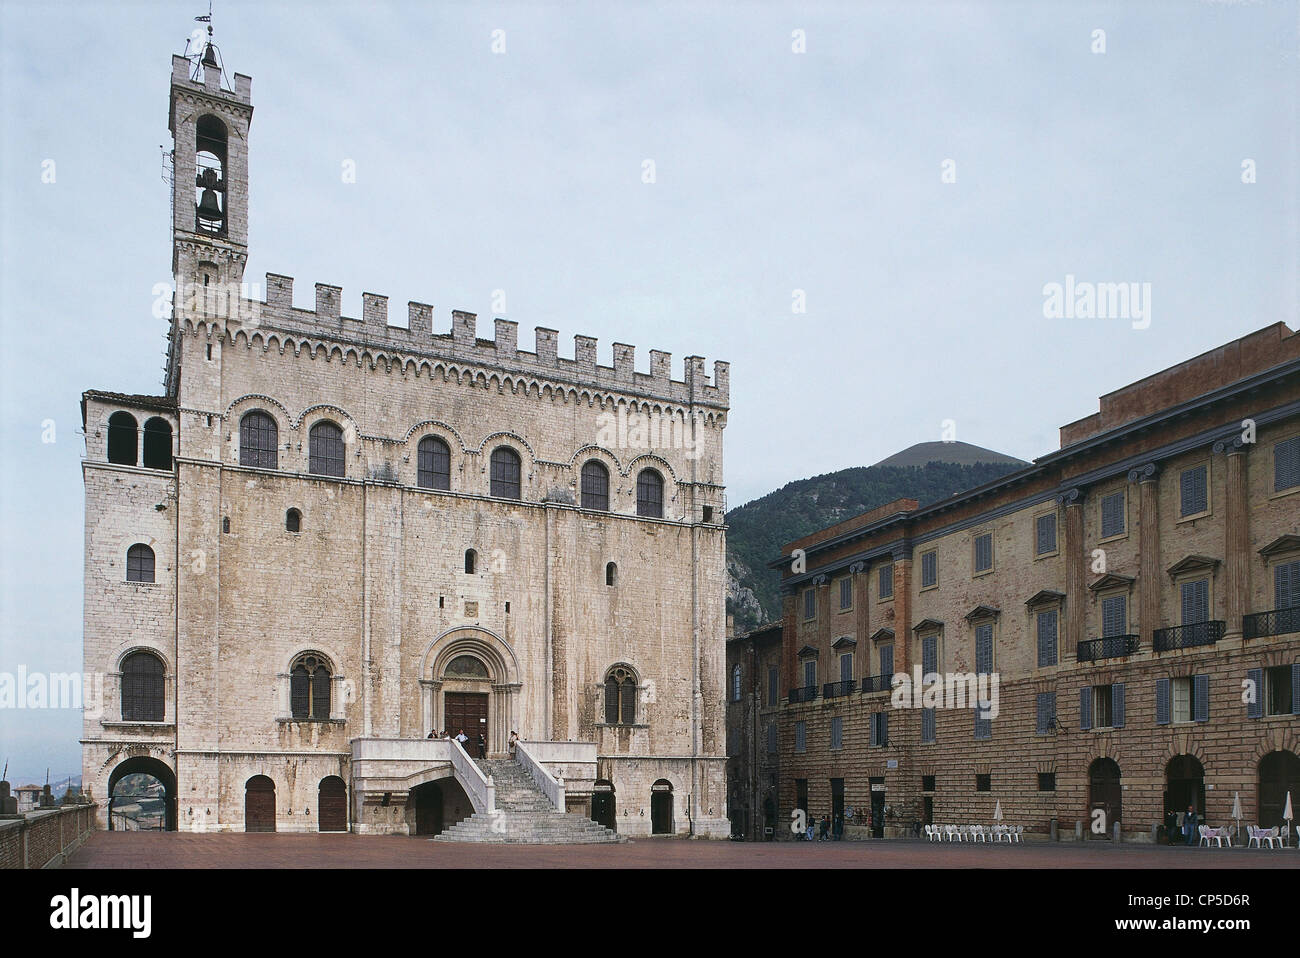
x=461 y=344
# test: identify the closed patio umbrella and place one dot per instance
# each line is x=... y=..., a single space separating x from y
x=997 y=811
x=1286 y=817
x=1236 y=812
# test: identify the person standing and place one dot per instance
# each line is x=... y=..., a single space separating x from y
x=514 y=737
x=482 y=746
x=1189 y=824
x=462 y=738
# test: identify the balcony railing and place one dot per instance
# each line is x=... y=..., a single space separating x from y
x=1277 y=622
x=1107 y=647
x=1188 y=636
x=833 y=690
x=805 y=694
x=877 y=683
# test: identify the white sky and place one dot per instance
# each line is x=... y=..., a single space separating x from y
x=776 y=172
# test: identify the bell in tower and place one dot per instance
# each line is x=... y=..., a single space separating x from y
x=210 y=215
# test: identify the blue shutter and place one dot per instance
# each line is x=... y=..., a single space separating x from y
x=1196 y=601
x=1201 y=698
x=1046 y=535
x=1085 y=708
x=930 y=655
x=1192 y=491
x=884 y=728
x=1112 y=515
x=1043 y=723
x=1047 y=637
x=1255 y=709
x=927 y=725
x=1286 y=464
x=929 y=569
x=1114 y=615
x=1286 y=585
x=886 y=660
x=1162 y=702
x=1295 y=688
x=984 y=649
x=1117 y=705
x=886 y=581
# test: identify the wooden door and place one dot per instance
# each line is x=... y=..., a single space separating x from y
x=1105 y=795
x=603 y=808
x=332 y=805
x=661 y=812
x=468 y=711
x=259 y=804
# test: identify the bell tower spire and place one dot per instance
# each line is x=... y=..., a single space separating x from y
x=209 y=121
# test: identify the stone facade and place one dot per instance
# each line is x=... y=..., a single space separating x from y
x=753 y=717
x=375 y=580
x=1138 y=713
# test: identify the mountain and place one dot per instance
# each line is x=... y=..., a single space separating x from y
x=927 y=472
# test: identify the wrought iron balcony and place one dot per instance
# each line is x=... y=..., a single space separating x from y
x=1277 y=622
x=1107 y=647
x=805 y=694
x=833 y=690
x=877 y=683
x=1188 y=636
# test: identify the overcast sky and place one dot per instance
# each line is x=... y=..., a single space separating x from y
x=776 y=172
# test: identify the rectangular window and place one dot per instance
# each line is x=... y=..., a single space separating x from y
x=1045 y=534
x=879 y=728
x=887 y=659
x=1047 y=781
x=1114 y=615
x=1193 y=492
x=927 y=783
x=837 y=732
x=927 y=725
x=1279 y=695
x=1112 y=515
x=983 y=726
x=887 y=581
x=984 y=552
x=983 y=783
x=929 y=655
x=800 y=736
x=846 y=667
x=1286 y=585
x=809 y=673
x=1047 y=638
x=846 y=593
x=1046 y=717
x=773 y=686
x=1181 y=689
x=771 y=738
x=1195 y=601
x=1102 y=702
x=810 y=604
x=984 y=649
x=929 y=569
x=1286 y=464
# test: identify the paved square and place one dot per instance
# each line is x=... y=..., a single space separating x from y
x=187 y=850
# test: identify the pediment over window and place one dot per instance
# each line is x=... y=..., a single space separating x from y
x=1045 y=597
x=1281 y=546
x=808 y=652
x=845 y=642
x=1111 y=580
x=1193 y=563
x=983 y=612
x=882 y=635
x=927 y=624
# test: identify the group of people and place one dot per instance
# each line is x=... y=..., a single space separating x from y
x=827 y=830
x=481 y=744
x=1182 y=828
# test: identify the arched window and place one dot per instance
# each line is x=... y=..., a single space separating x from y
x=620 y=697
x=293 y=521
x=595 y=485
x=259 y=439
x=466 y=667
x=210 y=180
x=325 y=450
x=434 y=464
x=309 y=688
x=471 y=561
x=735 y=684
x=505 y=473
x=139 y=563
x=157 y=443
x=142 y=688
x=650 y=494
x=122 y=439
x=611 y=573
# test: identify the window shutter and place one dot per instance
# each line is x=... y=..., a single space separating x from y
x=886 y=581
x=1162 y=702
x=837 y=731
x=930 y=654
x=884 y=728
x=1193 y=491
x=1046 y=534
x=983 y=726
x=1196 y=601
x=1085 y=708
x=1286 y=464
x=1286 y=584
x=929 y=569
x=1201 y=697
x=927 y=725
x=1043 y=723
x=1117 y=705
x=984 y=649
x=1255 y=709
x=611 y=701
x=1295 y=688
x=886 y=660
x=1114 y=615
x=1112 y=515
x=1047 y=638
x=875 y=729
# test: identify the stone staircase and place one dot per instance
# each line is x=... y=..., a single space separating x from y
x=524 y=815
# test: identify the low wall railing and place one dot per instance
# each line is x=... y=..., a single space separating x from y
x=479 y=787
x=552 y=786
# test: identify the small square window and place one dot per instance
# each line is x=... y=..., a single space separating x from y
x=983 y=783
x=1047 y=781
x=927 y=783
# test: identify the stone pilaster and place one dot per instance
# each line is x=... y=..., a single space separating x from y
x=1147 y=479
x=1076 y=569
x=1236 y=536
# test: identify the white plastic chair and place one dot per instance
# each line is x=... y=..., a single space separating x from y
x=1204 y=831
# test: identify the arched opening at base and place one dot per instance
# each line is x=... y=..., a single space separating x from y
x=1279 y=774
x=435 y=806
x=142 y=796
x=1185 y=787
x=259 y=804
x=1105 y=797
x=604 y=808
x=332 y=805
x=661 y=808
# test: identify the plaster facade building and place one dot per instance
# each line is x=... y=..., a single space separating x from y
x=330 y=537
x=1136 y=595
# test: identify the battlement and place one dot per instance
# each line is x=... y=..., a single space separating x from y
x=461 y=342
x=211 y=82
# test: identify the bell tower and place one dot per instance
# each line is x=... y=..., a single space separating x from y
x=209 y=123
